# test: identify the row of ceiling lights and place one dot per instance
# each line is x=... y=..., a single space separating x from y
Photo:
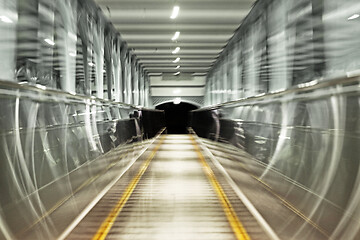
x=174 y=15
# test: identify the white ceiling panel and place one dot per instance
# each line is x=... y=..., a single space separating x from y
x=205 y=27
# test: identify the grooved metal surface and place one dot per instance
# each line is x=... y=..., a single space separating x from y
x=193 y=100
x=173 y=199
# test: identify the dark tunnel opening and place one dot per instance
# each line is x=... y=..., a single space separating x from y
x=177 y=116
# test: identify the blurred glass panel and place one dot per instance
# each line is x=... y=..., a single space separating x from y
x=278 y=58
x=67 y=45
x=303 y=145
x=8 y=21
x=291 y=43
x=342 y=37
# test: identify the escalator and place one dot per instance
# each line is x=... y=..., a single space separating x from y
x=172 y=192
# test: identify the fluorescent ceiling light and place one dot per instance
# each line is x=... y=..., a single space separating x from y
x=49 y=41
x=176 y=36
x=198 y=74
x=177 y=91
x=354 y=16
x=175 y=12
x=72 y=36
x=5 y=19
x=176 y=73
x=176 y=60
x=176 y=50
x=72 y=54
x=177 y=101
x=177 y=67
x=91 y=64
x=40 y=86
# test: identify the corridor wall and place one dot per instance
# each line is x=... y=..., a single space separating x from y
x=286 y=91
x=69 y=45
x=282 y=44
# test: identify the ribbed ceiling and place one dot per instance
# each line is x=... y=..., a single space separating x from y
x=205 y=26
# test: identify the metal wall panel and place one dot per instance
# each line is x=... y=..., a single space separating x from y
x=303 y=143
x=67 y=45
x=55 y=150
x=281 y=44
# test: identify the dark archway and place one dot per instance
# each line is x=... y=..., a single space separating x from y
x=177 y=116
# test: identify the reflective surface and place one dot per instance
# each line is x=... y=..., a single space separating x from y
x=305 y=145
x=292 y=70
x=286 y=219
x=55 y=146
x=283 y=43
x=68 y=45
x=174 y=199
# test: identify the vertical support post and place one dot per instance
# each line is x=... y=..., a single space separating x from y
x=117 y=69
x=129 y=67
x=67 y=42
x=123 y=50
x=99 y=59
x=109 y=48
x=8 y=40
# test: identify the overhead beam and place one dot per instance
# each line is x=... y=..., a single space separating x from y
x=183 y=51
x=198 y=45
x=182 y=56
x=165 y=26
x=184 y=4
x=234 y=19
x=184 y=37
x=154 y=62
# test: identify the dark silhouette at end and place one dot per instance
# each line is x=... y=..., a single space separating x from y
x=177 y=116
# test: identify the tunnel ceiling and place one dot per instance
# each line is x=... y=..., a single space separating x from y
x=205 y=26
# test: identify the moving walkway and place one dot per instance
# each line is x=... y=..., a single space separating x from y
x=173 y=191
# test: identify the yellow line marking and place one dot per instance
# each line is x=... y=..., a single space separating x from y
x=66 y=198
x=86 y=183
x=105 y=227
x=234 y=221
x=293 y=208
x=284 y=202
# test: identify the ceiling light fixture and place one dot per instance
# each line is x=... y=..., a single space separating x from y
x=72 y=36
x=175 y=12
x=5 y=19
x=177 y=73
x=353 y=16
x=199 y=74
x=49 y=41
x=176 y=36
x=176 y=50
x=177 y=101
x=176 y=60
x=155 y=74
x=177 y=67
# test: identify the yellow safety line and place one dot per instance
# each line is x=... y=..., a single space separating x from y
x=105 y=227
x=292 y=208
x=234 y=221
x=66 y=198
x=285 y=202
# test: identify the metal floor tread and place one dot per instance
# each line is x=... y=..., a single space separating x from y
x=172 y=192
